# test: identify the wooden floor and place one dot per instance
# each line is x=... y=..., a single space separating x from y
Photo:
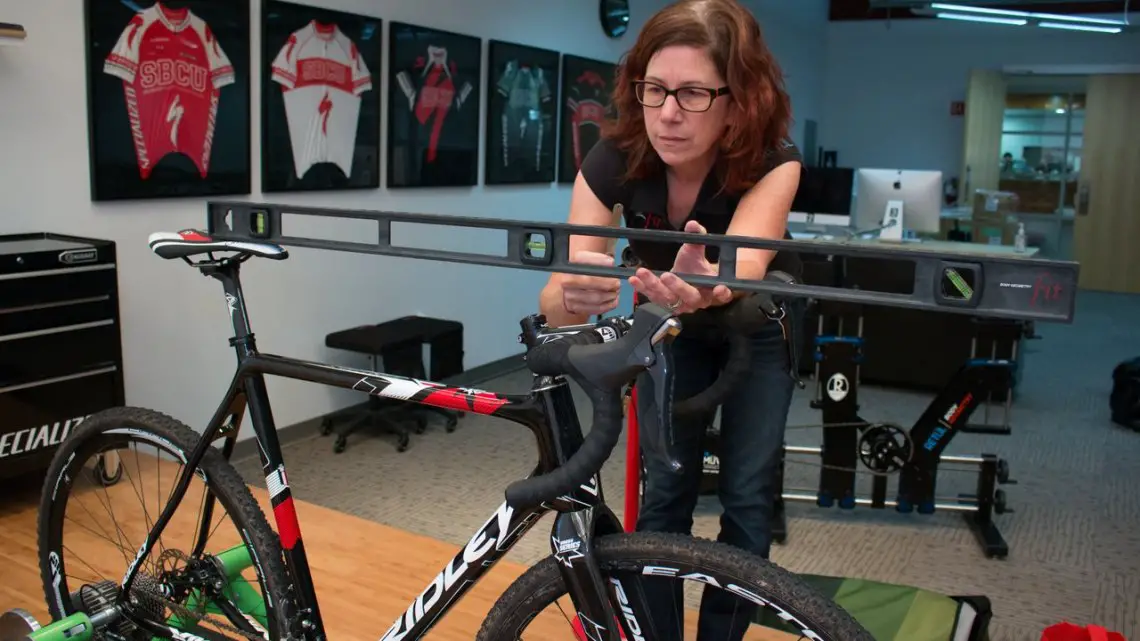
x=366 y=573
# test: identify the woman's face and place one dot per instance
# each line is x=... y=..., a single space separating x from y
x=682 y=136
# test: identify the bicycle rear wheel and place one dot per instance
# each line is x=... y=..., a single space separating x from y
x=216 y=573
x=629 y=562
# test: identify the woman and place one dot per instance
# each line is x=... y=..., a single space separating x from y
x=700 y=143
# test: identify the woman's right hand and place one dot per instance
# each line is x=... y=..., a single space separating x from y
x=590 y=295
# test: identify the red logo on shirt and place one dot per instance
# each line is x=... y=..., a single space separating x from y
x=649 y=220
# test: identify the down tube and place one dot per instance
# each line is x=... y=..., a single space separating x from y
x=489 y=544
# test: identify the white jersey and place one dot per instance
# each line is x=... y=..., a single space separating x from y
x=323 y=77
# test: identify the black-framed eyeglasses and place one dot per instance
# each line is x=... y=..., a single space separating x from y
x=697 y=99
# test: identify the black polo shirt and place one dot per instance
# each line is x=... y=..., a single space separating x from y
x=645 y=204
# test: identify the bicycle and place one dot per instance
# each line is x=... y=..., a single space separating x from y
x=593 y=560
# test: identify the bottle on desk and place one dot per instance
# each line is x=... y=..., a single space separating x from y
x=1019 y=240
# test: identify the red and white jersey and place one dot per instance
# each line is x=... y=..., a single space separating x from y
x=322 y=76
x=172 y=69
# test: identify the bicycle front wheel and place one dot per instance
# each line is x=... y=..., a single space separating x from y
x=655 y=573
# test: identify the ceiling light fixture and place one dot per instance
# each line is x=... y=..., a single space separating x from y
x=942 y=6
x=987 y=19
x=1078 y=27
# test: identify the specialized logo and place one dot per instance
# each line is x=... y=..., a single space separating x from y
x=837 y=387
x=37 y=438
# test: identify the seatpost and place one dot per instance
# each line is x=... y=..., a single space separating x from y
x=228 y=272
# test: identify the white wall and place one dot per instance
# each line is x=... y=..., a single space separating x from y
x=174 y=321
x=796 y=32
x=888 y=88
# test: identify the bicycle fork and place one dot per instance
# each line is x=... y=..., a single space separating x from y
x=594 y=596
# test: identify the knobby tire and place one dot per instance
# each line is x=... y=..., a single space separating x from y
x=230 y=491
x=541 y=585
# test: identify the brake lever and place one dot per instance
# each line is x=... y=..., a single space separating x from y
x=655 y=427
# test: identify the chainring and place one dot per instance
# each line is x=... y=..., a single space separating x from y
x=885 y=448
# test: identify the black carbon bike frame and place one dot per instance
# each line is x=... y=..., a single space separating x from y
x=548 y=410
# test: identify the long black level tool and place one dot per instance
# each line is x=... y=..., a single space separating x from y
x=985 y=286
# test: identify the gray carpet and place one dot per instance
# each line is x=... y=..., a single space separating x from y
x=1074 y=535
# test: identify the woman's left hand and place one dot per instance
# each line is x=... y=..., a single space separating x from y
x=671 y=291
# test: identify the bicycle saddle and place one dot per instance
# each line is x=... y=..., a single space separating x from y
x=192 y=242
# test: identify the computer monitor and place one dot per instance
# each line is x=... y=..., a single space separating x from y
x=825 y=190
x=824 y=193
x=919 y=191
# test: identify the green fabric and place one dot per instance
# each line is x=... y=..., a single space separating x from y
x=889 y=612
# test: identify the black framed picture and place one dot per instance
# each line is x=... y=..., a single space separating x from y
x=522 y=108
x=433 y=107
x=168 y=98
x=587 y=85
x=320 y=99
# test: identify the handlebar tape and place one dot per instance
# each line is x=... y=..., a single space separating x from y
x=563 y=357
x=735 y=370
x=736 y=321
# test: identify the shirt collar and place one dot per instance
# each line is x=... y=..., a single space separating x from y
x=652 y=195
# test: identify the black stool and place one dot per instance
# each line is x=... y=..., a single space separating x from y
x=399 y=343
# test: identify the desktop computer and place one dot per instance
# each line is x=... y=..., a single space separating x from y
x=824 y=194
x=920 y=193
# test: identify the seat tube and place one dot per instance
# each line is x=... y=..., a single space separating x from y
x=272 y=459
x=281 y=502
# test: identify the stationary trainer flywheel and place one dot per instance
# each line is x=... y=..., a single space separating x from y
x=885 y=448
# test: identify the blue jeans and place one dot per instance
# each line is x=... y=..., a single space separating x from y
x=752 y=425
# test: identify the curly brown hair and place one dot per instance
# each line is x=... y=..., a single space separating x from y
x=731 y=35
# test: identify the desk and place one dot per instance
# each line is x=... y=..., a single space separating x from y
x=931 y=245
x=1052 y=233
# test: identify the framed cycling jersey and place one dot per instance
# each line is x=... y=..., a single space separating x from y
x=586 y=88
x=320 y=99
x=433 y=107
x=522 y=105
x=168 y=98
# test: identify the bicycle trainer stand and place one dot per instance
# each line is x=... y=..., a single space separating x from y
x=94 y=611
x=915 y=455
